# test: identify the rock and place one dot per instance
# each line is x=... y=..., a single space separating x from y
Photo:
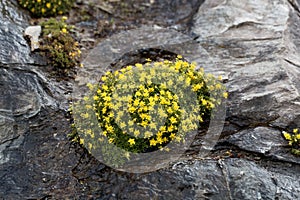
x=206 y=179
x=267 y=141
x=254 y=44
x=14 y=48
x=247 y=180
x=33 y=32
x=258 y=52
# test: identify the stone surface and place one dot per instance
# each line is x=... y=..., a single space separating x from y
x=256 y=50
x=267 y=141
x=33 y=33
x=254 y=44
x=14 y=48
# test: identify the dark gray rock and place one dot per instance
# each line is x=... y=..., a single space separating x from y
x=14 y=48
x=267 y=141
x=257 y=52
x=248 y=180
x=253 y=44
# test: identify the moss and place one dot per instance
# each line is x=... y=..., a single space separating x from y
x=46 y=8
x=58 y=44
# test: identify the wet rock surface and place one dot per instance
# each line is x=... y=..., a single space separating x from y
x=254 y=44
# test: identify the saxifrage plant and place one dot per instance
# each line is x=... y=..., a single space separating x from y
x=145 y=117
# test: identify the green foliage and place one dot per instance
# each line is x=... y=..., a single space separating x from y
x=58 y=44
x=126 y=115
x=293 y=140
x=47 y=8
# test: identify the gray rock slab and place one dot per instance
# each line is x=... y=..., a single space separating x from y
x=255 y=44
x=14 y=48
x=248 y=180
x=263 y=140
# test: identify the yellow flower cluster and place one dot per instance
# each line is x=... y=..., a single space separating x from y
x=294 y=140
x=46 y=8
x=58 y=44
x=144 y=107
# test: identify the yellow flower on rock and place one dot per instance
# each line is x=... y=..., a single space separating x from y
x=111 y=140
x=173 y=120
x=225 y=95
x=287 y=136
x=136 y=133
x=145 y=104
x=131 y=141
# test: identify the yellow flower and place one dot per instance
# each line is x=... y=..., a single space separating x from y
x=48 y=5
x=96 y=98
x=136 y=102
x=295 y=131
x=225 y=95
x=169 y=110
x=90 y=86
x=178 y=139
x=130 y=123
x=159 y=140
x=104 y=78
x=173 y=120
x=131 y=109
x=139 y=66
x=153 y=142
x=172 y=136
x=188 y=81
x=64 y=18
x=148 y=134
x=171 y=128
x=287 y=136
x=144 y=123
x=131 y=141
x=81 y=141
x=170 y=83
x=64 y=30
x=122 y=125
x=110 y=129
x=152 y=125
x=85 y=98
x=111 y=140
x=197 y=87
x=175 y=106
x=105 y=87
x=136 y=133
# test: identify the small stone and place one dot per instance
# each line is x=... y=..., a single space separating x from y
x=33 y=33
